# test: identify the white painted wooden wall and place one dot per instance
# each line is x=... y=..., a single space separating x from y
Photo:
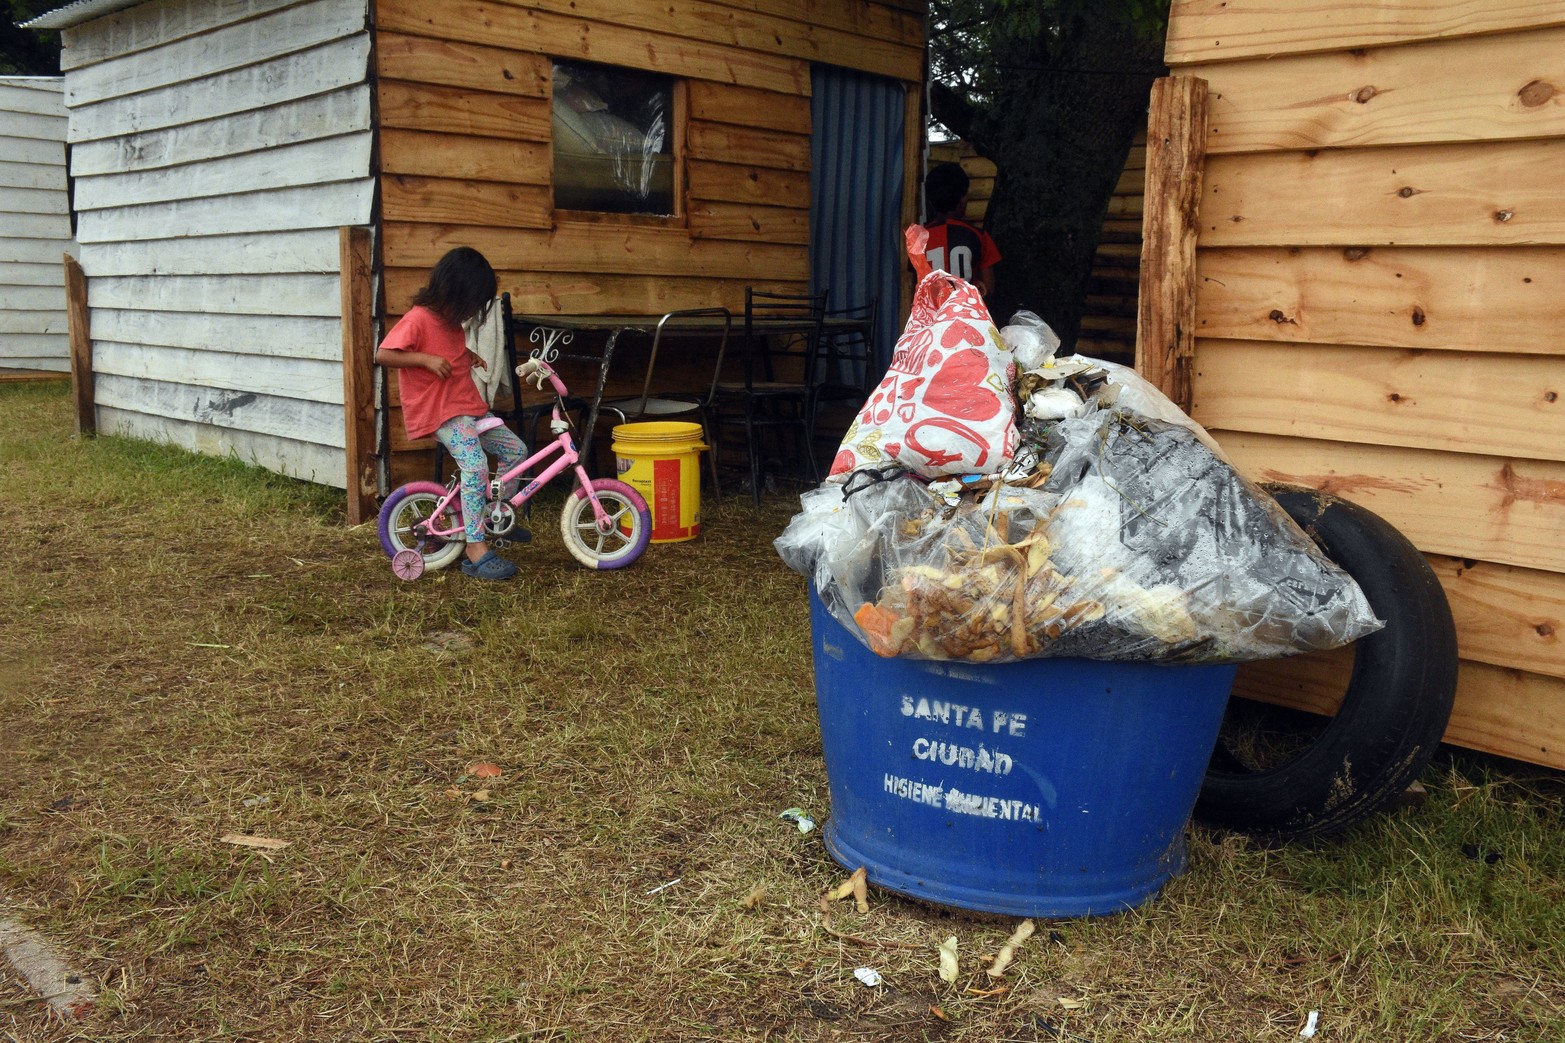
x=35 y=224
x=217 y=147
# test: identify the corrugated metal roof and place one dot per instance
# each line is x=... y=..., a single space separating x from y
x=77 y=13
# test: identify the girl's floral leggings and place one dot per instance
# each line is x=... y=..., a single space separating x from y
x=467 y=447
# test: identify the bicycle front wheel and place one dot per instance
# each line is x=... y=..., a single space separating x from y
x=625 y=537
x=405 y=508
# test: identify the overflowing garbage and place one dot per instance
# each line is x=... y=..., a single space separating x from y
x=993 y=502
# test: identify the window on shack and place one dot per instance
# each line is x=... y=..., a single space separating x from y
x=613 y=140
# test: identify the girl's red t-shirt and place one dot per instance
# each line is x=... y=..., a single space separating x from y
x=428 y=401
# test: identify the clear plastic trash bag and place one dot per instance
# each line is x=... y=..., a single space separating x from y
x=1133 y=540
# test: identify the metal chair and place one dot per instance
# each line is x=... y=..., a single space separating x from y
x=781 y=343
x=847 y=369
x=665 y=405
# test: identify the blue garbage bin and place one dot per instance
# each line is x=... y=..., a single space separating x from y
x=1048 y=787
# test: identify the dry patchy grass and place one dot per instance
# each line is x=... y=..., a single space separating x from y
x=191 y=649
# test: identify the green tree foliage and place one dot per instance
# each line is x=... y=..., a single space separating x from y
x=1052 y=91
x=27 y=52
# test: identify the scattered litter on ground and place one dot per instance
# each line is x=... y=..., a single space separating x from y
x=256 y=802
x=868 y=975
x=664 y=887
x=485 y=770
x=998 y=991
x=842 y=890
x=1310 y=1025
x=856 y=886
x=949 y=967
x=1007 y=952
x=798 y=818
x=260 y=843
x=1043 y=1025
x=755 y=898
x=1415 y=796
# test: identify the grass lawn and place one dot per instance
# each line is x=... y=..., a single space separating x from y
x=191 y=649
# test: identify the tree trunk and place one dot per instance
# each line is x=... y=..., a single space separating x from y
x=1058 y=138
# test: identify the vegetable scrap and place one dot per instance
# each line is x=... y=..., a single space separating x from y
x=949 y=968
x=1002 y=960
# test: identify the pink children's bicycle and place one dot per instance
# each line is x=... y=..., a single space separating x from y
x=606 y=523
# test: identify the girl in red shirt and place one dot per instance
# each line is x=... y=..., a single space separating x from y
x=434 y=368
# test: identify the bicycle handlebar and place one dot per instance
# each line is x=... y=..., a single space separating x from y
x=536 y=371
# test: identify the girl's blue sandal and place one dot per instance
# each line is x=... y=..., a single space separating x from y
x=490 y=566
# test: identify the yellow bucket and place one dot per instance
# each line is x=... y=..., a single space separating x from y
x=662 y=462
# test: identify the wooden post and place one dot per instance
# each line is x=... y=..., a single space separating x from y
x=77 y=318
x=1176 y=157
x=358 y=371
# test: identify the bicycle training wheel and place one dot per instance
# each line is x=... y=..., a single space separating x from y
x=406 y=507
x=625 y=540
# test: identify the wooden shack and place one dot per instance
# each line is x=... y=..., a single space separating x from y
x=35 y=227
x=220 y=147
x=1379 y=293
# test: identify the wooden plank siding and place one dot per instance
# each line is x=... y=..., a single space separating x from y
x=1381 y=261
x=217 y=148
x=35 y=226
x=464 y=95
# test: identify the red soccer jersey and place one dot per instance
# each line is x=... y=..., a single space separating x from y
x=428 y=401
x=957 y=247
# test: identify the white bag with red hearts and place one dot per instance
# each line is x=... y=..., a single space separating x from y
x=945 y=405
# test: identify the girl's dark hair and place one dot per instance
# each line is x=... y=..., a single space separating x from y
x=461 y=285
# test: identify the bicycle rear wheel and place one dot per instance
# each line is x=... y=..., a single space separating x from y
x=405 y=508
x=625 y=539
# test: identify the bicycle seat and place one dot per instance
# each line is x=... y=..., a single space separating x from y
x=488 y=423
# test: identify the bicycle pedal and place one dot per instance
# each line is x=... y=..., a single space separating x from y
x=520 y=535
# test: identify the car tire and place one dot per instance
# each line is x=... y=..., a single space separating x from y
x=1393 y=712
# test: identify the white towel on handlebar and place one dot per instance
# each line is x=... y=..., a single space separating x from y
x=486 y=339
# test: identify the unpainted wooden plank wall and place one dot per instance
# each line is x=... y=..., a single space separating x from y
x=216 y=150
x=1381 y=269
x=35 y=225
x=464 y=107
